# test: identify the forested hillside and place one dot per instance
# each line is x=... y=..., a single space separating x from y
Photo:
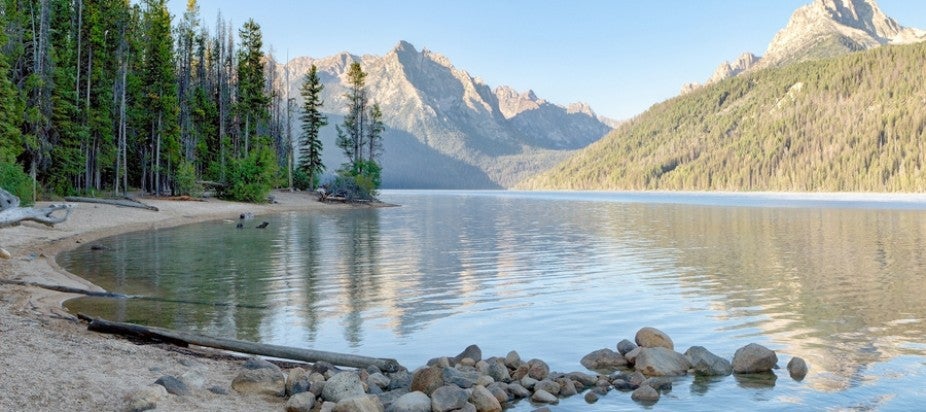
x=852 y=123
x=108 y=95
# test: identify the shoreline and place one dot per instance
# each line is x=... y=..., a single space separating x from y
x=51 y=360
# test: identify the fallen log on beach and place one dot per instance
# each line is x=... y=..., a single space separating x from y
x=124 y=202
x=155 y=334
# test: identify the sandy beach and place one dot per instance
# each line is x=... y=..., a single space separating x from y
x=48 y=359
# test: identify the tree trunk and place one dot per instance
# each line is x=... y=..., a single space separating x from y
x=185 y=339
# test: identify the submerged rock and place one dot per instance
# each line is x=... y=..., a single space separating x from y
x=706 y=363
x=797 y=368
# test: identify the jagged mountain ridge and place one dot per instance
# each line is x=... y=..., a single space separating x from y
x=444 y=127
x=821 y=29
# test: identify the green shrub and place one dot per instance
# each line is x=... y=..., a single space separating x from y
x=352 y=188
x=302 y=181
x=14 y=180
x=186 y=180
x=251 y=178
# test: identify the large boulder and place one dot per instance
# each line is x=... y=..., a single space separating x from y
x=342 y=386
x=645 y=394
x=660 y=361
x=363 y=403
x=427 y=379
x=484 y=400
x=264 y=381
x=412 y=402
x=538 y=369
x=448 y=398
x=653 y=338
x=604 y=360
x=472 y=352
x=463 y=379
x=754 y=358
x=706 y=363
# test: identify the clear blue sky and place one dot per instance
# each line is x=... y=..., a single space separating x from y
x=620 y=56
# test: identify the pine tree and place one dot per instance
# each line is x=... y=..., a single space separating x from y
x=159 y=79
x=310 y=145
x=351 y=132
x=252 y=102
x=10 y=107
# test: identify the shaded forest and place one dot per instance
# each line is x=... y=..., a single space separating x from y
x=851 y=123
x=104 y=96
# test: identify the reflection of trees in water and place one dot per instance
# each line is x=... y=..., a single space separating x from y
x=360 y=262
x=842 y=287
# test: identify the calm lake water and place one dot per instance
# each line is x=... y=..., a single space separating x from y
x=555 y=276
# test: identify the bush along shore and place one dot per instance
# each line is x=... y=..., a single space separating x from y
x=468 y=382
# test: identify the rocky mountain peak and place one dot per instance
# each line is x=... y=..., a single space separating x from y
x=821 y=29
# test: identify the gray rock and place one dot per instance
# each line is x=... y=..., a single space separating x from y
x=362 y=403
x=754 y=358
x=591 y=397
x=645 y=394
x=412 y=402
x=660 y=361
x=427 y=379
x=388 y=397
x=529 y=382
x=706 y=363
x=632 y=355
x=264 y=381
x=443 y=362
x=300 y=402
x=258 y=363
x=500 y=391
x=499 y=372
x=173 y=385
x=218 y=390
x=604 y=360
x=485 y=380
x=193 y=379
x=542 y=409
x=484 y=400
x=636 y=379
x=378 y=379
x=602 y=386
x=625 y=346
x=548 y=385
x=518 y=391
x=327 y=406
x=653 y=338
x=513 y=360
x=797 y=368
x=542 y=396
x=343 y=386
x=400 y=379
x=585 y=379
x=447 y=398
x=567 y=387
x=661 y=384
x=623 y=385
x=468 y=407
x=297 y=381
x=146 y=398
x=463 y=379
x=538 y=369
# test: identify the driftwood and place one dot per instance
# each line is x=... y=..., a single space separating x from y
x=11 y=214
x=155 y=334
x=124 y=202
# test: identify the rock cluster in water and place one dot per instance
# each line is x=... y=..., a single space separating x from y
x=469 y=382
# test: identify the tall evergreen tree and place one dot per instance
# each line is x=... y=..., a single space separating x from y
x=252 y=101
x=351 y=131
x=159 y=78
x=374 y=134
x=10 y=106
x=310 y=144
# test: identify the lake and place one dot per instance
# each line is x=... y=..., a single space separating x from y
x=840 y=282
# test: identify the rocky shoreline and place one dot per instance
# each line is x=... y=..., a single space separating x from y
x=643 y=368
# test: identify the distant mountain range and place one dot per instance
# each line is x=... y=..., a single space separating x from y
x=826 y=109
x=445 y=128
x=824 y=28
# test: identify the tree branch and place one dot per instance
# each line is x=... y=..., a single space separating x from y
x=11 y=214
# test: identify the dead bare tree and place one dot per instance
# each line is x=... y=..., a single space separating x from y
x=11 y=214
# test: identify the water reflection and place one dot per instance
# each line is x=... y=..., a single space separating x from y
x=551 y=278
